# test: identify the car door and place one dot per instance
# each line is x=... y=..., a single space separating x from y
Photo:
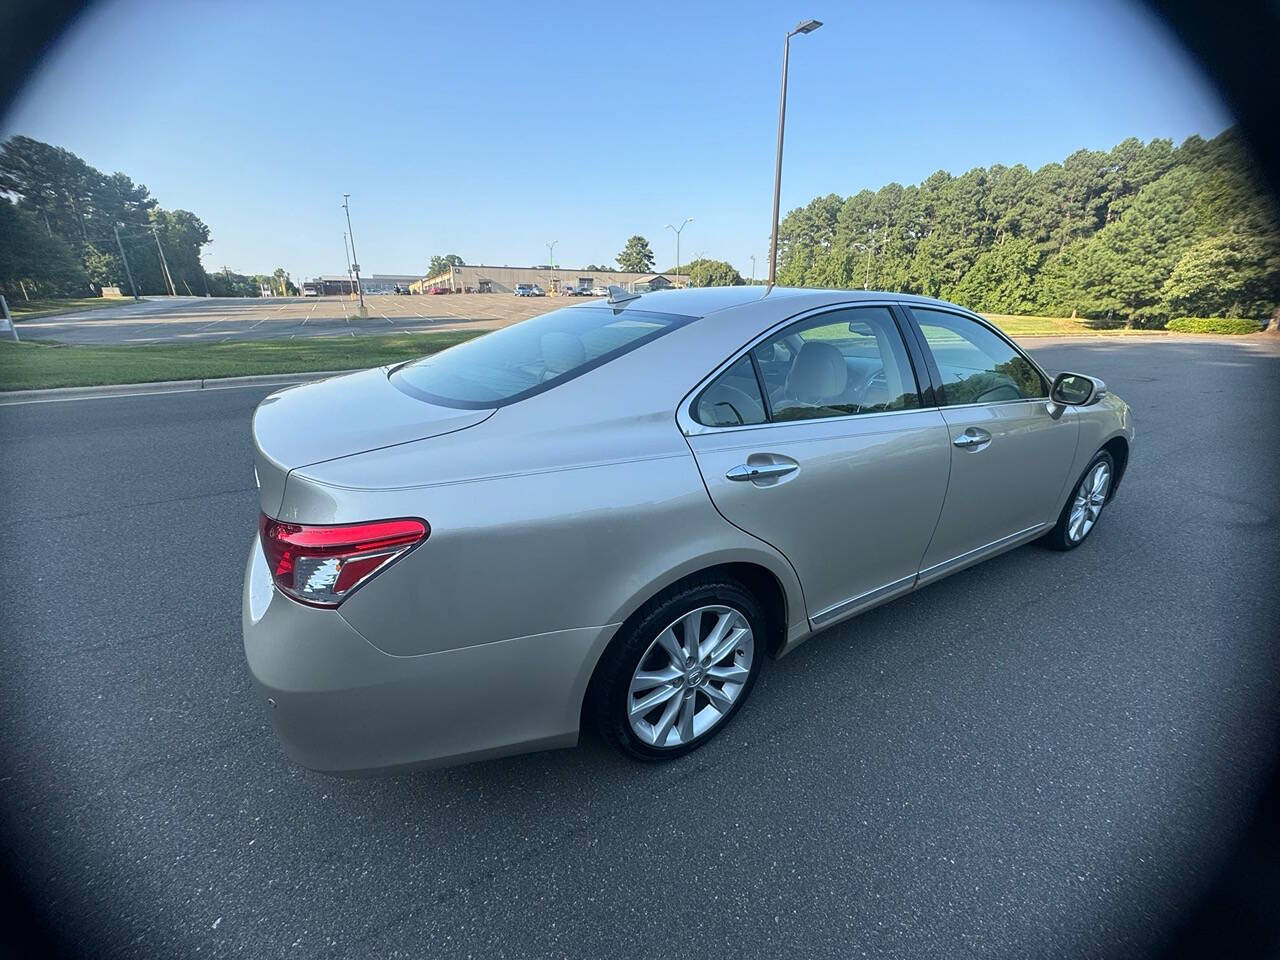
x=1009 y=455
x=815 y=440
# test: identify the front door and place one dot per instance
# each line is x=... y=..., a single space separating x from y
x=1009 y=457
x=835 y=463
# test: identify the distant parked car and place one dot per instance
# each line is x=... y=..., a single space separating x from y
x=524 y=290
x=569 y=290
x=437 y=290
x=599 y=291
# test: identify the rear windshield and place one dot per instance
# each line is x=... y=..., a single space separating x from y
x=528 y=357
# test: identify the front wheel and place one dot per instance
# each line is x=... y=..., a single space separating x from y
x=1084 y=506
x=681 y=670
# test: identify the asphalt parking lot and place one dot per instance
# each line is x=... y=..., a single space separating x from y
x=223 y=319
x=1042 y=756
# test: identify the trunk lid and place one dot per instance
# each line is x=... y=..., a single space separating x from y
x=315 y=422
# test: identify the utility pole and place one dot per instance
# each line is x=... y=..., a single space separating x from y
x=806 y=26
x=687 y=221
x=355 y=264
x=129 y=273
x=164 y=264
x=351 y=287
x=551 y=256
x=753 y=269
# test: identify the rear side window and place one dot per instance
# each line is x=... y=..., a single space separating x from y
x=529 y=357
x=846 y=362
x=841 y=363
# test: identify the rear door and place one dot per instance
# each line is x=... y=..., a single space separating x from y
x=1009 y=457
x=816 y=441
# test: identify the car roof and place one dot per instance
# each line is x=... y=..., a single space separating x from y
x=701 y=301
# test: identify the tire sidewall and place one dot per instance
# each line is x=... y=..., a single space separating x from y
x=613 y=695
x=1060 y=538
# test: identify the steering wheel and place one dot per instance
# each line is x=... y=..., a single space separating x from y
x=996 y=389
x=874 y=378
x=727 y=396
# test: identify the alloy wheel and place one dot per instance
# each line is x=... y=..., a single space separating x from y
x=690 y=676
x=1089 y=499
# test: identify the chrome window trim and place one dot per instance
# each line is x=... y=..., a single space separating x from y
x=691 y=427
x=704 y=429
x=991 y=403
x=698 y=429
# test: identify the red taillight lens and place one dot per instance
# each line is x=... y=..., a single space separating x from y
x=322 y=565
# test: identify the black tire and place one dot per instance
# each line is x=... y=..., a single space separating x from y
x=1059 y=538
x=611 y=685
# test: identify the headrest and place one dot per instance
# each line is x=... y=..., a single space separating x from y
x=819 y=373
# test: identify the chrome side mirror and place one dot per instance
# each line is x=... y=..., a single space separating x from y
x=1074 y=390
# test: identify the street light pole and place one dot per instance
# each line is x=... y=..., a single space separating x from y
x=355 y=265
x=806 y=26
x=551 y=257
x=687 y=220
x=753 y=269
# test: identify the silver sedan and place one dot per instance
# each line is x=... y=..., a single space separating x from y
x=616 y=512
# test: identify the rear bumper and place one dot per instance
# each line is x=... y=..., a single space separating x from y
x=340 y=705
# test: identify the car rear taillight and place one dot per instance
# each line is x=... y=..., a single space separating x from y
x=322 y=565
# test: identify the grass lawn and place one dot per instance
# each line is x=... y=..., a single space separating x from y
x=33 y=365
x=28 y=309
x=1056 y=327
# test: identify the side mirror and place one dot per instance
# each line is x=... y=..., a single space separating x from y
x=1075 y=390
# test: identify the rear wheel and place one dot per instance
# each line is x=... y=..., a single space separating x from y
x=681 y=669
x=1084 y=506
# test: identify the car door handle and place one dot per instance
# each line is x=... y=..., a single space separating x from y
x=972 y=437
x=761 y=471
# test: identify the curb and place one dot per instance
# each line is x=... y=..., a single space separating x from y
x=55 y=394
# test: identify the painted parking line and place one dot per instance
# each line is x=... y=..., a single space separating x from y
x=212 y=322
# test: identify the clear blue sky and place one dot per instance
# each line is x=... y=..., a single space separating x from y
x=488 y=130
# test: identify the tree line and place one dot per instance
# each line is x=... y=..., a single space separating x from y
x=1136 y=235
x=59 y=223
x=637 y=257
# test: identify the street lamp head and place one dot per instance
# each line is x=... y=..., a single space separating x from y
x=808 y=26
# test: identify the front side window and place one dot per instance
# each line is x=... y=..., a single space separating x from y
x=529 y=357
x=977 y=366
x=836 y=364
